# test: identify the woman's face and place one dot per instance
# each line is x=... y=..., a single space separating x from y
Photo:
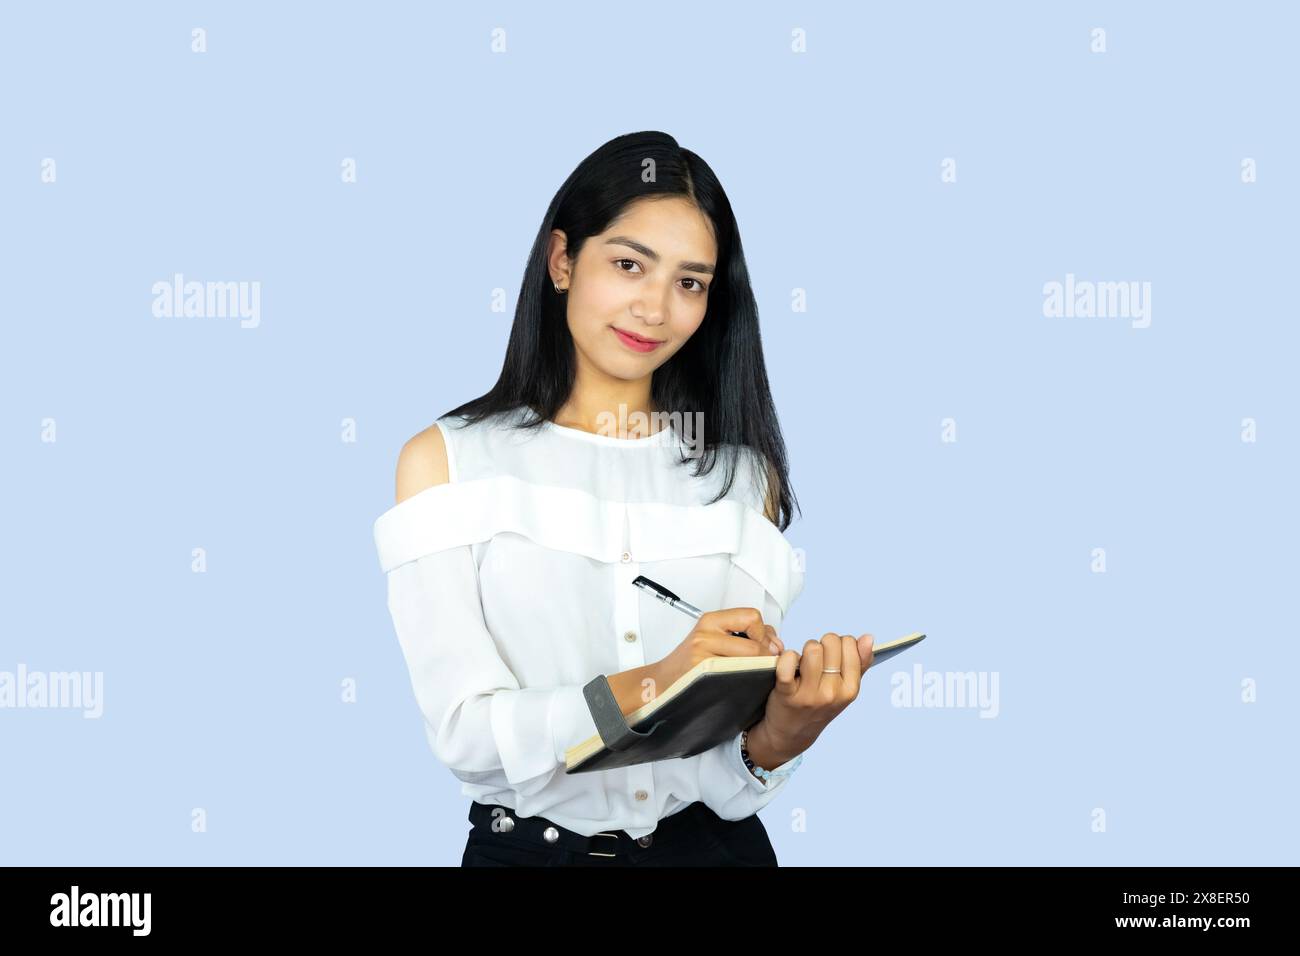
x=647 y=275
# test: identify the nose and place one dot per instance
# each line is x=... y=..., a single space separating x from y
x=651 y=308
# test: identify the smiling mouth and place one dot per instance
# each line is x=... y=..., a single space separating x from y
x=638 y=338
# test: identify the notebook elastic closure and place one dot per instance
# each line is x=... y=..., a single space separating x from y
x=615 y=732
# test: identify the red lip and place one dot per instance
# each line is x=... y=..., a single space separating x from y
x=639 y=338
x=635 y=342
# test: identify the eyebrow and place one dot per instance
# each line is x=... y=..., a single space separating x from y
x=647 y=251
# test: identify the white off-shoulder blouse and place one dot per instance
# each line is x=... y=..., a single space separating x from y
x=510 y=588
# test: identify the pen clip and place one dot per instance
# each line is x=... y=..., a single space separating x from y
x=668 y=597
x=658 y=590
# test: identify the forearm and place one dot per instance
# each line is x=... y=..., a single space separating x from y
x=765 y=751
x=629 y=690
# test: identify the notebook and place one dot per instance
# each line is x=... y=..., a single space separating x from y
x=711 y=703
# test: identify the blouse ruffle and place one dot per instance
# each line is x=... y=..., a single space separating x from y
x=570 y=519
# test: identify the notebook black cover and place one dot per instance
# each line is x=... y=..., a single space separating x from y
x=719 y=698
x=714 y=707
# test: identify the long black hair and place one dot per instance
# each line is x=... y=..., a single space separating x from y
x=718 y=374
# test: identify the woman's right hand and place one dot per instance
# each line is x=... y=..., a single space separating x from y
x=709 y=638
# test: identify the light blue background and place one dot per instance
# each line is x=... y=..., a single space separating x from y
x=1119 y=691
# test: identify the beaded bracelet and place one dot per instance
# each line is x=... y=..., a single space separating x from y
x=764 y=775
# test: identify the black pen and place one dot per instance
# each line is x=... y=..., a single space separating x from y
x=654 y=589
x=879 y=653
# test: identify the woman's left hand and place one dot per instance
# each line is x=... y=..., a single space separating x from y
x=803 y=703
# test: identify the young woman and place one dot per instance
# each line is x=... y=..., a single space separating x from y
x=634 y=367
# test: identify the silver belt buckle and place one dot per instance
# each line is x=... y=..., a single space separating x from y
x=595 y=853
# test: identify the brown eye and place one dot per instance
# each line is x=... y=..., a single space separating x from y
x=700 y=286
x=621 y=269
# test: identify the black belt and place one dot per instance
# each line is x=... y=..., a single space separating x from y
x=686 y=827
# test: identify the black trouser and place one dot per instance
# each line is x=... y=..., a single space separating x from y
x=693 y=836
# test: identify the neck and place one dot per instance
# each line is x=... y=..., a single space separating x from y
x=599 y=403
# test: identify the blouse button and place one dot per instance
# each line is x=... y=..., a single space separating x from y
x=629 y=636
x=642 y=795
x=626 y=557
